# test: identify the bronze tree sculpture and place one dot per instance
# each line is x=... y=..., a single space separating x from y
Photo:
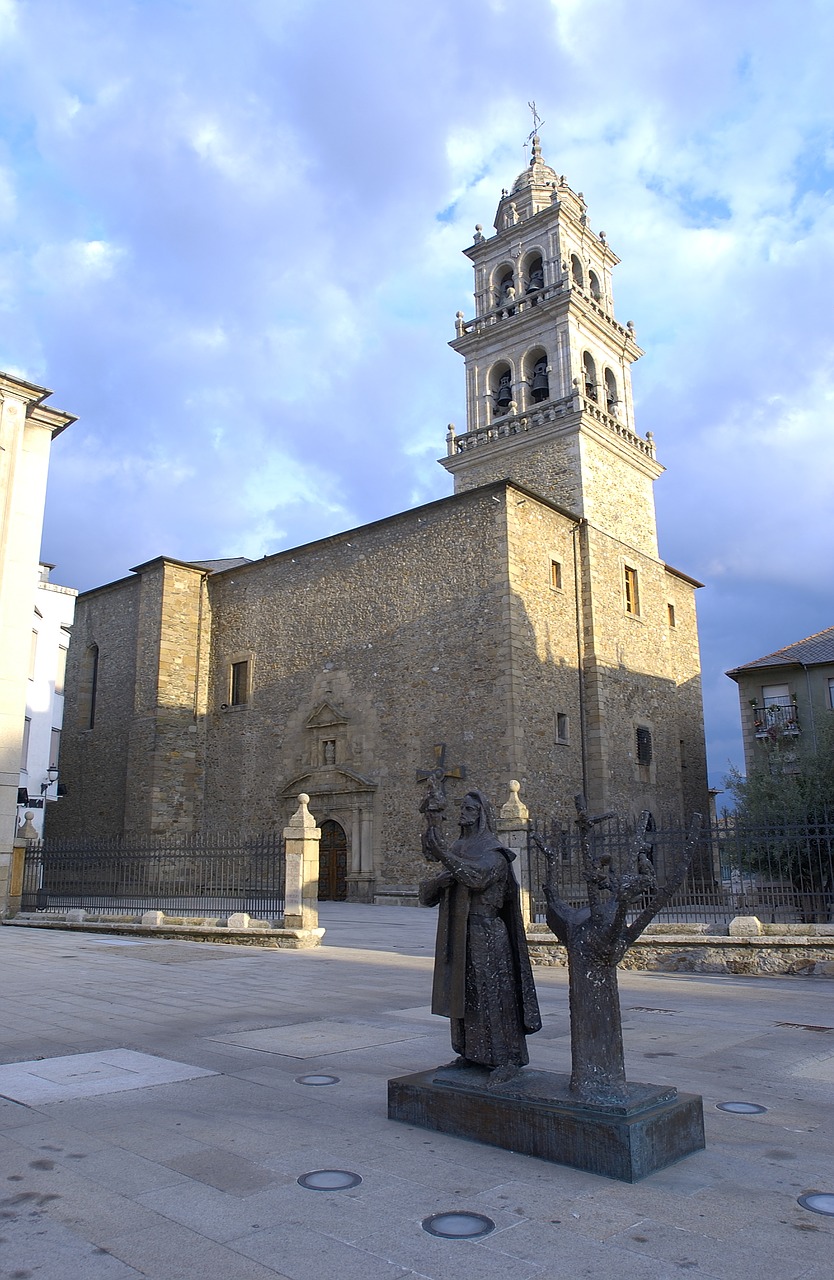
x=596 y=937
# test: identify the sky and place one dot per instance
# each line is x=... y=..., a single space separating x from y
x=230 y=242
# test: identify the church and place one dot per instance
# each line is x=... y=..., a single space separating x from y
x=525 y=627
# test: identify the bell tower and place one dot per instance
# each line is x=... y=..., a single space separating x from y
x=548 y=367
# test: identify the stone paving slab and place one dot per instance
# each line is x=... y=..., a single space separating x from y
x=314 y=1039
x=86 y=1075
x=197 y=1177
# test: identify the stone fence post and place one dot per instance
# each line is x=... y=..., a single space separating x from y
x=512 y=826
x=301 y=854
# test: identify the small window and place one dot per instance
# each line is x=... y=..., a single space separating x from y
x=831 y=694
x=644 y=744
x=239 y=684
x=33 y=654
x=61 y=670
x=561 y=726
x=24 y=746
x=54 y=748
x=576 y=272
x=556 y=575
x=671 y=609
x=88 y=688
x=593 y=283
x=632 y=595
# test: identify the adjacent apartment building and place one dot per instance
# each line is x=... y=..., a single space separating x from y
x=785 y=695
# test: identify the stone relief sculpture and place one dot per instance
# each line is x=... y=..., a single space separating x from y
x=483 y=981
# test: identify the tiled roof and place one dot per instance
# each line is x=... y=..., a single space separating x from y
x=810 y=652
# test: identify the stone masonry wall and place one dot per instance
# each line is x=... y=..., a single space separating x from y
x=94 y=764
x=401 y=628
x=170 y=715
x=641 y=671
x=548 y=466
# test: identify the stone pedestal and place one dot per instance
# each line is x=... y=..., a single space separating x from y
x=301 y=887
x=360 y=887
x=536 y=1115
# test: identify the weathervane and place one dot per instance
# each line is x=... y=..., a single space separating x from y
x=537 y=124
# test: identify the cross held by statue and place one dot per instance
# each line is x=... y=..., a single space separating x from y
x=439 y=772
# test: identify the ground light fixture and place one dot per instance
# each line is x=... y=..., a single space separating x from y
x=458 y=1225
x=317 y=1080
x=818 y=1202
x=741 y=1108
x=329 y=1180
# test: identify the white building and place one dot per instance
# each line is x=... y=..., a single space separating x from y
x=27 y=428
x=52 y=616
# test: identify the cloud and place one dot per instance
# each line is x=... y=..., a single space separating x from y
x=235 y=251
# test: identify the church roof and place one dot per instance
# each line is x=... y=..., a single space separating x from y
x=219 y=566
x=810 y=652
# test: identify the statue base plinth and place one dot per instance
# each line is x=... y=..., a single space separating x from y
x=536 y=1115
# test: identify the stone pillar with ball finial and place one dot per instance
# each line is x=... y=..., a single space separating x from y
x=301 y=893
x=512 y=826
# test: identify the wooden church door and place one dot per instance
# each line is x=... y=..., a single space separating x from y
x=332 y=863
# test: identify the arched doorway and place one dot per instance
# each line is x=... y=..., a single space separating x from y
x=332 y=862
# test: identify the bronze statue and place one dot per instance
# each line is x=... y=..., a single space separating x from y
x=596 y=937
x=483 y=982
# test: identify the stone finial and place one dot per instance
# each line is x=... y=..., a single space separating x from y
x=460 y=327
x=451 y=439
x=514 y=809
x=27 y=829
x=302 y=819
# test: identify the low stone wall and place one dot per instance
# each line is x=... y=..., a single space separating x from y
x=238 y=930
x=748 y=948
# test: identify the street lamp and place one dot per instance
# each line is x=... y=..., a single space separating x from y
x=51 y=776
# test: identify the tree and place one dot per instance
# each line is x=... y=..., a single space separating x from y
x=784 y=817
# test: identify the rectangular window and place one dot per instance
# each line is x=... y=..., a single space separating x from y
x=24 y=749
x=54 y=747
x=561 y=726
x=556 y=575
x=61 y=670
x=831 y=694
x=644 y=745
x=671 y=609
x=632 y=596
x=33 y=653
x=776 y=695
x=239 y=684
x=88 y=688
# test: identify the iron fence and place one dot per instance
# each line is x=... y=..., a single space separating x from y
x=782 y=872
x=196 y=875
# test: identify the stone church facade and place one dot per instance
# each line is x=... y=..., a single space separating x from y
x=526 y=623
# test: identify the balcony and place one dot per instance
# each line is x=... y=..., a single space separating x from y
x=778 y=720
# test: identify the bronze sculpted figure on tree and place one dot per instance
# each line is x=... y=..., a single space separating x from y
x=483 y=982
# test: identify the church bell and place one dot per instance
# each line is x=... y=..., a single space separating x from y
x=504 y=396
x=540 y=387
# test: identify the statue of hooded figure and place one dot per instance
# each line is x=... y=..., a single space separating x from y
x=483 y=982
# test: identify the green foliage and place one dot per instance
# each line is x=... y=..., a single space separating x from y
x=783 y=826
x=792 y=782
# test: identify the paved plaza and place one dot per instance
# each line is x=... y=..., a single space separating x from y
x=151 y=1122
